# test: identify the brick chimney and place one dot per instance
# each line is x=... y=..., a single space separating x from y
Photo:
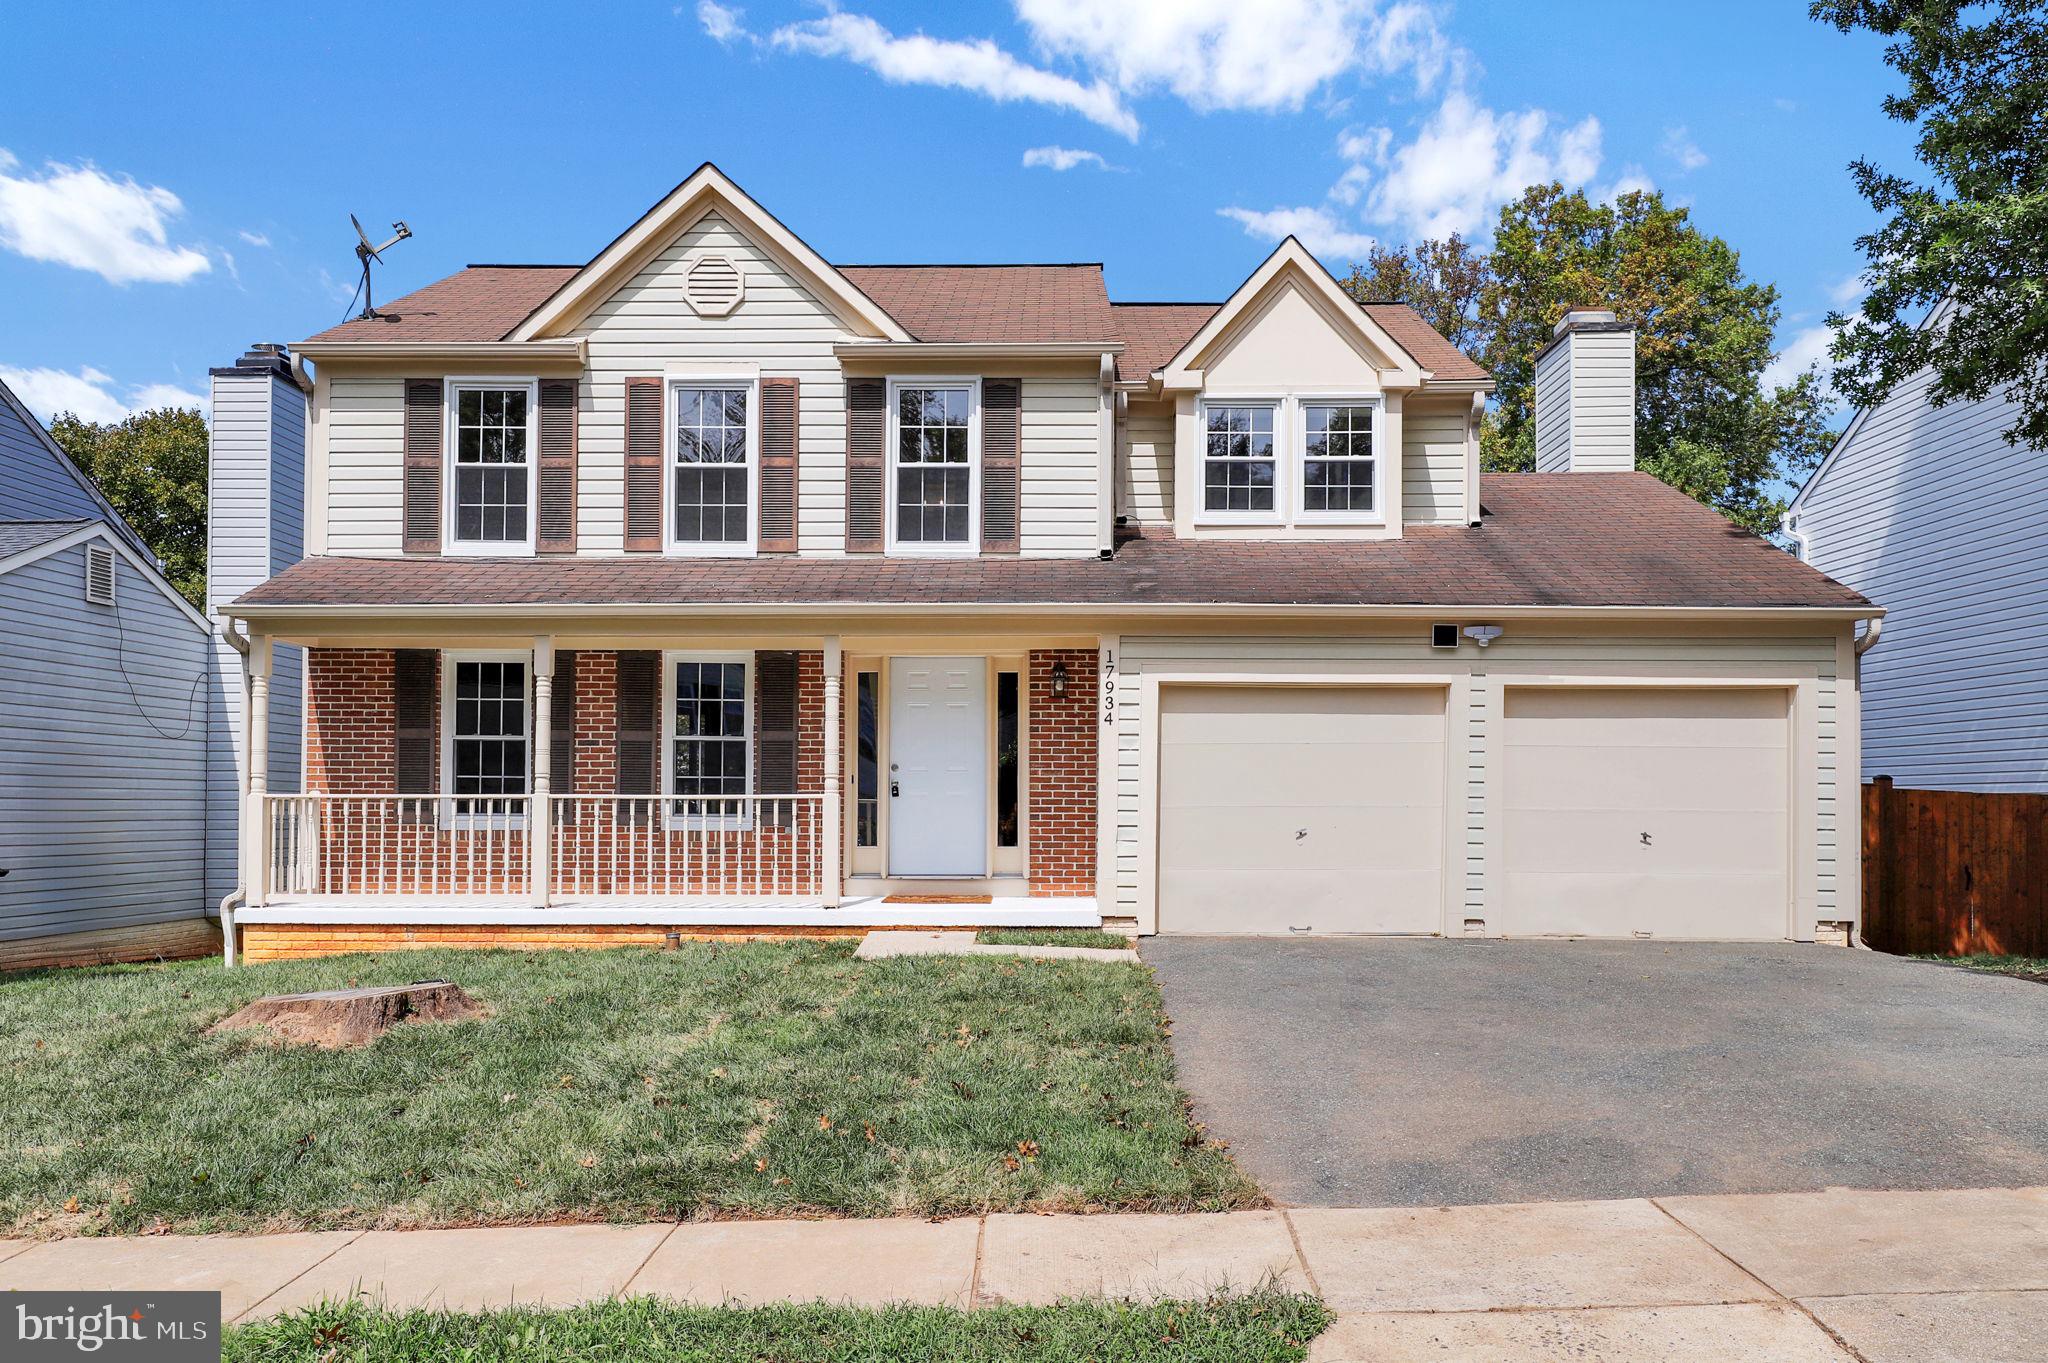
x=1586 y=395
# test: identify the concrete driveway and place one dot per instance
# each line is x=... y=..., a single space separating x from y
x=1383 y=1072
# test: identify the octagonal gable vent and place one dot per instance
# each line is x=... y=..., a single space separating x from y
x=714 y=285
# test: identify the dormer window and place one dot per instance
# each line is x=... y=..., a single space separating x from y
x=1238 y=463
x=1292 y=461
x=1339 y=472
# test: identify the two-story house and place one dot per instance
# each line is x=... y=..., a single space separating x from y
x=712 y=587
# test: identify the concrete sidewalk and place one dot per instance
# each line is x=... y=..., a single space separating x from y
x=1878 y=1276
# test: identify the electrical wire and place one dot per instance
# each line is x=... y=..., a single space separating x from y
x=135 y=697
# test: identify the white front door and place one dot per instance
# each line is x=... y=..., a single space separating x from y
x=938 y=766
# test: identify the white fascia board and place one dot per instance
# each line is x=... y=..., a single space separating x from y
x=97 y=531
x=567 y=350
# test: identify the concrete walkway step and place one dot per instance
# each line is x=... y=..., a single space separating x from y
x=1786 y=1276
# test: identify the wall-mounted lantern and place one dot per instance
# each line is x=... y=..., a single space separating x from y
x=1059 y=679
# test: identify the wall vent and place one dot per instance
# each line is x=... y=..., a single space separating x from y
x=99 y=574
x=713 y=285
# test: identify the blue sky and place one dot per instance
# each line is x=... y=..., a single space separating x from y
x=175 y=182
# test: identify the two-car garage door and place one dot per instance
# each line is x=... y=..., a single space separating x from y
x=1622 y=811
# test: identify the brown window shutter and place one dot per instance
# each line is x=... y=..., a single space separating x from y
x=1000 y=444
x=777 y=528
x=775 y=730
x=557 y=467
x=422 y=512
x=643 y=466
x=639 y=723
x=415 y=685
x=867 y=403
x=562 y=716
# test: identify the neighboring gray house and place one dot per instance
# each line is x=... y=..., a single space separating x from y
x=1930 y=511
x=107 y=675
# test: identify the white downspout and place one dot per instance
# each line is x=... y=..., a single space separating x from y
x=239 y=642
x=1863 y=646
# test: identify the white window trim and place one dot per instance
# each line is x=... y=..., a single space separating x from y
x=1281 y=482
x=667 y=737
x=449 y=818
x=701 y=548
x=1298 y=449
x=971 y=546
x=451 y=543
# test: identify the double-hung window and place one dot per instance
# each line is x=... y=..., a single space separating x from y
x=490 y=481
x=1239 y=463
x=1339 y=461
x=710 y=739
x=711 y=478
x=485 y=711
x=933 y=457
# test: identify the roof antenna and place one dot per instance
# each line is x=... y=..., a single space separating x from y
x=367 y=253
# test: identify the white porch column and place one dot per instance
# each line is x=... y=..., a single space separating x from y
x=256 y=812
x=835 y=739
x=540 y=823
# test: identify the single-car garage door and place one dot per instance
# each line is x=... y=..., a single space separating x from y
x=1290 y=808
x=1654 y=812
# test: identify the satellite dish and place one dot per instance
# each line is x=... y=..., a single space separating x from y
x=365 y=253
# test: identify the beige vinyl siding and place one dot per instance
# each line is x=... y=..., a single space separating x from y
x=1148 y=463
x=1433 y=463
x=1058 y=466
x=647 y=327
x=365 y=463
x=1479 y=679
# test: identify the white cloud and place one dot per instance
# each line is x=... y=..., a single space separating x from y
x=1632 y=180
x=1468 y=159
x=82 y=217
x=1848 y=289
x=1063 y=158
x=91 y=393
x=722 y=22
x=979 y=66
x=1318 y=229
x=1808 y=347
x=1225 y=54
x=253 y=238
x=1679 y=146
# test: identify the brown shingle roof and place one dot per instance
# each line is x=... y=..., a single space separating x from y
x=1570 y=539
x=1154 y=333
x=1424 y=342
x=991 y=302
x=478 y=303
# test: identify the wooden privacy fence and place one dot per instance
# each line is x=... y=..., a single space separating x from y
x=1954 y=872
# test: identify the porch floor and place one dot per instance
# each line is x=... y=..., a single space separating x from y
x=854 y=911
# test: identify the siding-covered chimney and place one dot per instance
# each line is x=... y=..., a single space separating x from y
x=255 y=529
x=1586 y=395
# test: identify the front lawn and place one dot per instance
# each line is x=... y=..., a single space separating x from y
x=1054 y=937
x=764 y=1079
x=1260 y=1327
x=2033 y=968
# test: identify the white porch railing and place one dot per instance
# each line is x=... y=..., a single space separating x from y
x=743 y=846
x=354 y=845
x=322 y=846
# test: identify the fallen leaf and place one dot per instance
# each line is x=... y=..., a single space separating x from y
x=1010 y=1163
x=1028 y=1149
x=868 y=1131
x=824 y=1122
x=588 y=1161
x=70 y=1204
x=760 y=1166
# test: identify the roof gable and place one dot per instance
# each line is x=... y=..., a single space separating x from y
x=1291 y=266
x=705 y=192
x=26 y=542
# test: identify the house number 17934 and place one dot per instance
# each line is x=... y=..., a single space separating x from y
x=1109 y=688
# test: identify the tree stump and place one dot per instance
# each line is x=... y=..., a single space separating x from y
x=338 y=1018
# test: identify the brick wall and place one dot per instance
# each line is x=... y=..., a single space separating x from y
x=352 y=721
x=1060 y=771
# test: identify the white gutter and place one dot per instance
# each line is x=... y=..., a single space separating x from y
x=566 y=350
x=976 y=350
x=1869 y=639
x=584 y=610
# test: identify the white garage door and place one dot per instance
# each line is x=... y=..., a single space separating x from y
x=1658 y=812
x=1291 y=808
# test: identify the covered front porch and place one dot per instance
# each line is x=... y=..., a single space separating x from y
x=643 y=775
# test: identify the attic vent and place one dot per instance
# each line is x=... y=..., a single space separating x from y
x=99 y=574
x=713 y=284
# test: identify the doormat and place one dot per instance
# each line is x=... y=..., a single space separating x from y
x=937 y=899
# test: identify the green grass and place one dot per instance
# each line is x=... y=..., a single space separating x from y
x=604 y=1085
x=2028 y=967
x=1259 y=1327
x=1053 y=937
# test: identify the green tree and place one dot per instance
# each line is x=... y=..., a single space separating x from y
x=1443 y=279
x=1977 y=89
x=1705 y=420
x=152 y=467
